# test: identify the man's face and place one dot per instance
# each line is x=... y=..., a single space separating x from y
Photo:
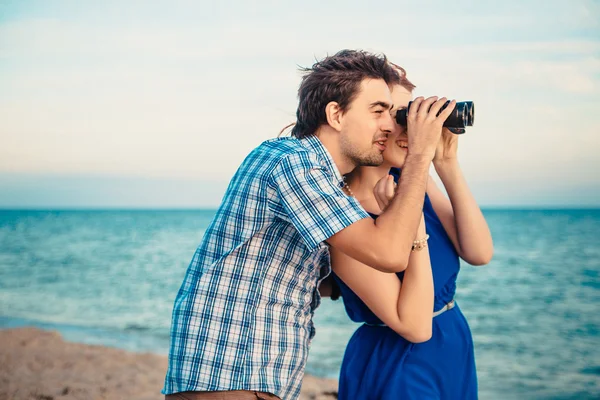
x=367 y=123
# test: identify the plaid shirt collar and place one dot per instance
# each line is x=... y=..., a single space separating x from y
x=313 y=143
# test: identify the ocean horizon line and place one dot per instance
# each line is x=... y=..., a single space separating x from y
x=510 y=207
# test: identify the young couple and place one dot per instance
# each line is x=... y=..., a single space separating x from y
x=242 y=319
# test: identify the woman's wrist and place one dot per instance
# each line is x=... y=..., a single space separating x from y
x=421 y=231
x=420 y=243
x=446 y=164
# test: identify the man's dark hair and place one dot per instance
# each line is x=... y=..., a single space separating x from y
x=336 y=78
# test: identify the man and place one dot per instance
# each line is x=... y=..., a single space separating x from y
x=242 y=320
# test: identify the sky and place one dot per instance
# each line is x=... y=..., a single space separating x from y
x=154 y=104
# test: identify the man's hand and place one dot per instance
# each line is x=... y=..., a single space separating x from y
x=424 y=128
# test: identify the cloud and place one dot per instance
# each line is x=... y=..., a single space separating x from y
x=186 y=90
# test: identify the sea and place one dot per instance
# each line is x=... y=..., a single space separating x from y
x=109 y=277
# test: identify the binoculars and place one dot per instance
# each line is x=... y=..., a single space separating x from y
x=462 y=116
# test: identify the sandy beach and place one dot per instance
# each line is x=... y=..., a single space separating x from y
x=39 y=365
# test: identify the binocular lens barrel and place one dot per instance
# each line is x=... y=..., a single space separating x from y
x=462 y=116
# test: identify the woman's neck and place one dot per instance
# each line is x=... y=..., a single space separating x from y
x=362 y=181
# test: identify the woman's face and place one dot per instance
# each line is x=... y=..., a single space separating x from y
x=397 y=148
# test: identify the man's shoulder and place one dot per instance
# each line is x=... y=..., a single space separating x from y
x=287 y=148
x=284 y=145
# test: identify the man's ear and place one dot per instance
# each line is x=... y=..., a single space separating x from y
x=334 y=115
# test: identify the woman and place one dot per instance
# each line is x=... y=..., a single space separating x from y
x=415 y=342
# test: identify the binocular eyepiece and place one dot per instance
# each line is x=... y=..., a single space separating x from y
x=462 y=116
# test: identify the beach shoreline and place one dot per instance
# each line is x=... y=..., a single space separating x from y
x=39 y=364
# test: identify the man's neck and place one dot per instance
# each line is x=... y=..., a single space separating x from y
x=331 y=141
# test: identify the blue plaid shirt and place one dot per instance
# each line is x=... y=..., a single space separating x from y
x=242 y=319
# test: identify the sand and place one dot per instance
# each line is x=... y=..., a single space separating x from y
x=39 y=365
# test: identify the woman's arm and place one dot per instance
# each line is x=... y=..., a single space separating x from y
x=406 y=307
x=460 y=215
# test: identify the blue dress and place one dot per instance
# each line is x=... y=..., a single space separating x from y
x=380 y=364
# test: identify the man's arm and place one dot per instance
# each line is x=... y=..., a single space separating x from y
x=386 y=244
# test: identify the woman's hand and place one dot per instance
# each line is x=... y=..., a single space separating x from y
x=446 y=149
x=384 y=191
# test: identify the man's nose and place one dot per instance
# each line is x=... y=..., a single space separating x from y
x=388 y=124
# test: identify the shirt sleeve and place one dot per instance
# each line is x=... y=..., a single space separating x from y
x=311 y=200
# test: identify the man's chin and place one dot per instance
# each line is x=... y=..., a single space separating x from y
x=373 y=161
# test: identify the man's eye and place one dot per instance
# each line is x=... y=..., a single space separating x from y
x=379 y=111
